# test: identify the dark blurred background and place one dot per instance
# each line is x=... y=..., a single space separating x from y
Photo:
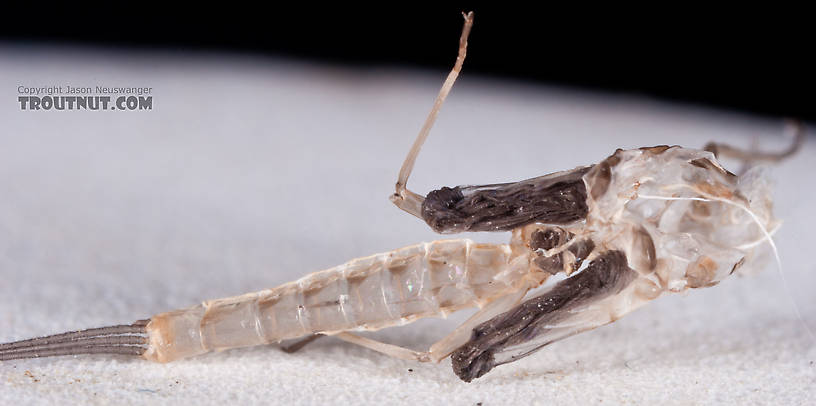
x=756 y=61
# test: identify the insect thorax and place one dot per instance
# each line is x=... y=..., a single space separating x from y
x=681 y=219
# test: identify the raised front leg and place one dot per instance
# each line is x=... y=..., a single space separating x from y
x=403 y=197
x=600 y=294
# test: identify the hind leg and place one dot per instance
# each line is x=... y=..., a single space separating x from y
x=748 y=157
x=444 y=347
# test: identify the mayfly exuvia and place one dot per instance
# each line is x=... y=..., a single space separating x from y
x=639 y=224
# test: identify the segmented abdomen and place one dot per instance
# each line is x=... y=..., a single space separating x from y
x=423 y=280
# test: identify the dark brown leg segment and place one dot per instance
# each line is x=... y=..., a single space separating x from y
x=297 y=346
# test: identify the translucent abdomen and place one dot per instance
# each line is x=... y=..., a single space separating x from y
x=398 y=287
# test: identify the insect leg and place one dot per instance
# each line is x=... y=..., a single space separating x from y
x=751 y=156
x=404 y=198
x=441 y=349
x=297 y=346
x=444 y=347
x=385 y=348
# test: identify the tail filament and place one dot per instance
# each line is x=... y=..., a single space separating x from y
x=126 y=339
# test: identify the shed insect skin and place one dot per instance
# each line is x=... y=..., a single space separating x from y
x=644 y=222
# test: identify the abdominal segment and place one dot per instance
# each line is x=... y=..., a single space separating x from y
x=370 y=293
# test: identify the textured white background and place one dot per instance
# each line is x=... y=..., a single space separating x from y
x=250 y=172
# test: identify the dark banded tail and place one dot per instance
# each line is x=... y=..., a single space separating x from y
x=126 y=339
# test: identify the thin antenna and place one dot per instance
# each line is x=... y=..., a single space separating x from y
x=126 y=339
x=404 y=198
